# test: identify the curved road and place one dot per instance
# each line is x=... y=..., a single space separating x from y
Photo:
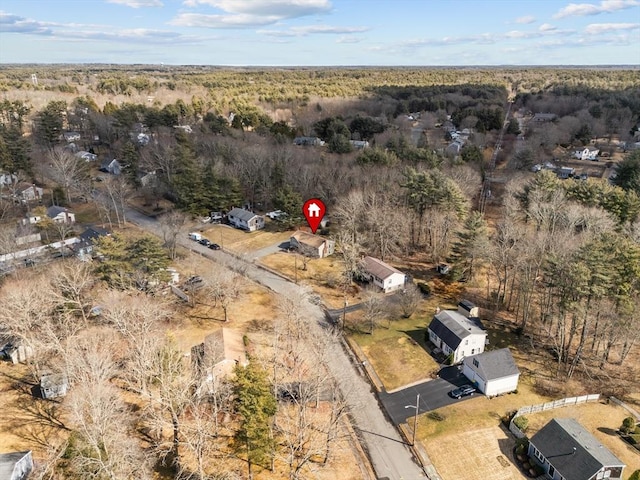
x=389 y=454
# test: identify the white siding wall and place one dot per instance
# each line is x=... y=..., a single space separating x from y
x=394 y=282
x=502 y=385
x=471 y=345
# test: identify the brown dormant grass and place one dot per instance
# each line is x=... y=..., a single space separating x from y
x=480 y=454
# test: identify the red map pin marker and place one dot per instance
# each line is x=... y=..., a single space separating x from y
x=313 y=211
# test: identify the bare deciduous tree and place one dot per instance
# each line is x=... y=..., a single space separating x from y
x=104 y=445
x=68 y=170
x=172 y=225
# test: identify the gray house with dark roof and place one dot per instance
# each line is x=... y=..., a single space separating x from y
x=493 y=373
x=16 y=465
x=456 y=334
x=245 y=220
x=566 y=451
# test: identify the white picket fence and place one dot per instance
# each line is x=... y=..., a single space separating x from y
x=541 y=407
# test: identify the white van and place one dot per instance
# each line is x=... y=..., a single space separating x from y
x=195 y=236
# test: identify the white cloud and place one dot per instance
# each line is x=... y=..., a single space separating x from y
x=222 y=21
x=605 y=6
x=526 y=19
x=313 y=29
x=75 y=31
x=349 y=39
x=547 y=27
x=268 y=8
x=15 y=24
x=597 y=28
x=138 y=3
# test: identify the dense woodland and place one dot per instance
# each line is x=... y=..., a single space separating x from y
x=560 y=258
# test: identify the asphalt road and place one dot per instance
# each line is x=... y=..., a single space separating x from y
x=433 y=395
x=389 y=454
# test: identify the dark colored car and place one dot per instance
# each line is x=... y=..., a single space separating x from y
x=205 y=242
x=463 y=391
x=214 y=246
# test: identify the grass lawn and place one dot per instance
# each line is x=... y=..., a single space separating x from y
x=398 y=353
x=484 y=454
x=321 y=274
x=239 y=241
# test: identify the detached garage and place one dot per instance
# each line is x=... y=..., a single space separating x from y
x=493 y=373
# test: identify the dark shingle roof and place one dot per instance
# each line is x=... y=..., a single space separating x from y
x=242 y=214
x=54 y=210
x=494 y=364
x=92 y=233
x=467 y=305
x=451 y=327
x=574 y=452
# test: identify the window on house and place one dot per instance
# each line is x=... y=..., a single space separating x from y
x=538 y=455
x=473 y=350
x=476 y=363
x=466 y=342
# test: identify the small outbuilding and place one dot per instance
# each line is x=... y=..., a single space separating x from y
x=16 y=465
x=53 y=385
x=493 y=373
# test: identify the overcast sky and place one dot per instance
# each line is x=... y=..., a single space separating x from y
x=321 y=32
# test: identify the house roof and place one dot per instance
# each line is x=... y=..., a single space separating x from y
x=91 y=234
x=467 y=305
x=378 y=268
x=8 y=462
x=50 y=380
x=573 y=451
x=309 y=239
x=23 y=186
x=452 y=327
x=223 y=344
x=54 y=210
x=494 y=364
x=242 y=214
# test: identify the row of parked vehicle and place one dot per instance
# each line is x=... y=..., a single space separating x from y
x=197 y=237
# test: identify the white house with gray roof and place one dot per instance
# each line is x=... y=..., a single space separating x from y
x=382 y=275
x=456 y=334
x=493 y=373
x=566 y=451
x=245 y=220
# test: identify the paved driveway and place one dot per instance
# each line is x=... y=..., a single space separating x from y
x=433 y=395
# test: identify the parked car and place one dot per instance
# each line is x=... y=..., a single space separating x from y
x=205 y=242
x=463 y=391
x=214 y=246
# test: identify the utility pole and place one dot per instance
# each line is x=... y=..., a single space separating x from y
x=415 y=419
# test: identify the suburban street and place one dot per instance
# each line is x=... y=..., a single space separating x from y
x=390 y=455
x=433 y=395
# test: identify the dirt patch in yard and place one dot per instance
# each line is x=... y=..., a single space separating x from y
x=482 y=454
